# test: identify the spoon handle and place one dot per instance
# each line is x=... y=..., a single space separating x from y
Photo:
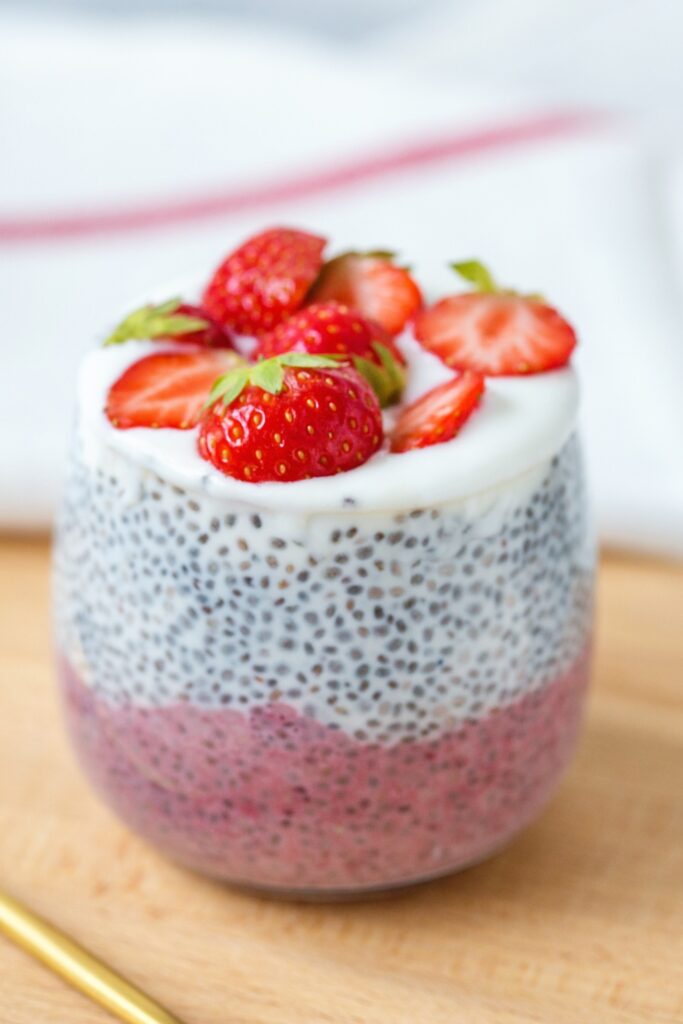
x=78 y=967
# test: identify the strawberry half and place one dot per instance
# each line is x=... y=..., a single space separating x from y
x=166 y=389
x=493 y=330
x=265 y=280
x=288 y=418
x=173 y=320
x=439 y=414
x=372 y=284
x=330 y=328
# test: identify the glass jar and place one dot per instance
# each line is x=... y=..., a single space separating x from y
x=331 y=704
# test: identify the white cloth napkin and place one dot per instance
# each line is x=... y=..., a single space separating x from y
x=138 y=153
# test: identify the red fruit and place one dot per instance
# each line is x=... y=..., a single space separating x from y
x=494 y=331
x=372 y=284
x=172 y=321
x=329 y=328
x=166 y=389
x=289 y=418
x=265 y=280
x=439 y=414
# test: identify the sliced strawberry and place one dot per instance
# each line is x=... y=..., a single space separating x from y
x=495 y=331
x=166 y=389
x=439 y=414
x=372 y=284
x=265 y=280
x=173 y=320
x=331 y=328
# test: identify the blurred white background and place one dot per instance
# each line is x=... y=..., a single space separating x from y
x=141 y=140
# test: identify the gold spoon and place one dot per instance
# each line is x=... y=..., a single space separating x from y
x=78 y=967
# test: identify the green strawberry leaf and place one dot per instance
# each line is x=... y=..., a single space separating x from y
x=374 y=375
x=386 y=380
x=268 y=375
x=228 y=387
x=177 y=324
x=169 y=306
x=155 y=322
x=477 y=274
x=308 y=359
x=390 y=364
x=395 y=373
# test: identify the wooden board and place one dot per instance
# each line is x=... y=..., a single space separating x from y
x=580 y=920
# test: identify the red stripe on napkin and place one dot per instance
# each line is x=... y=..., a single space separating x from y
x=238 y=199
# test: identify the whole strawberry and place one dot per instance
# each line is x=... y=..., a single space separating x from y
x=289 y=418
x=371 y=283
x=265 y=280
x=173 y=320
x=493 y=330
x=330 y=328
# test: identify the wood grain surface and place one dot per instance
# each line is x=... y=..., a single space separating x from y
x=578 y=921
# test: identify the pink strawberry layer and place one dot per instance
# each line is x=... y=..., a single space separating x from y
x=271 y=797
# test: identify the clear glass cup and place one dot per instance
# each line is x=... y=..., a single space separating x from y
x=327 y=705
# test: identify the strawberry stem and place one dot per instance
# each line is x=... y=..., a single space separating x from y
x=484 y=282
x=477 y=274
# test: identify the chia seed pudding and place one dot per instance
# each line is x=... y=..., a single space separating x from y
x=335 y=688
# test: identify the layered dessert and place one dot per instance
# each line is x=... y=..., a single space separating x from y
x=323 y=574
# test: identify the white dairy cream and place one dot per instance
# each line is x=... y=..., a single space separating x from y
x=521 y=423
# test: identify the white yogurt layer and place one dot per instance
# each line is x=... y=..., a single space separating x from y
x=521 y=423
